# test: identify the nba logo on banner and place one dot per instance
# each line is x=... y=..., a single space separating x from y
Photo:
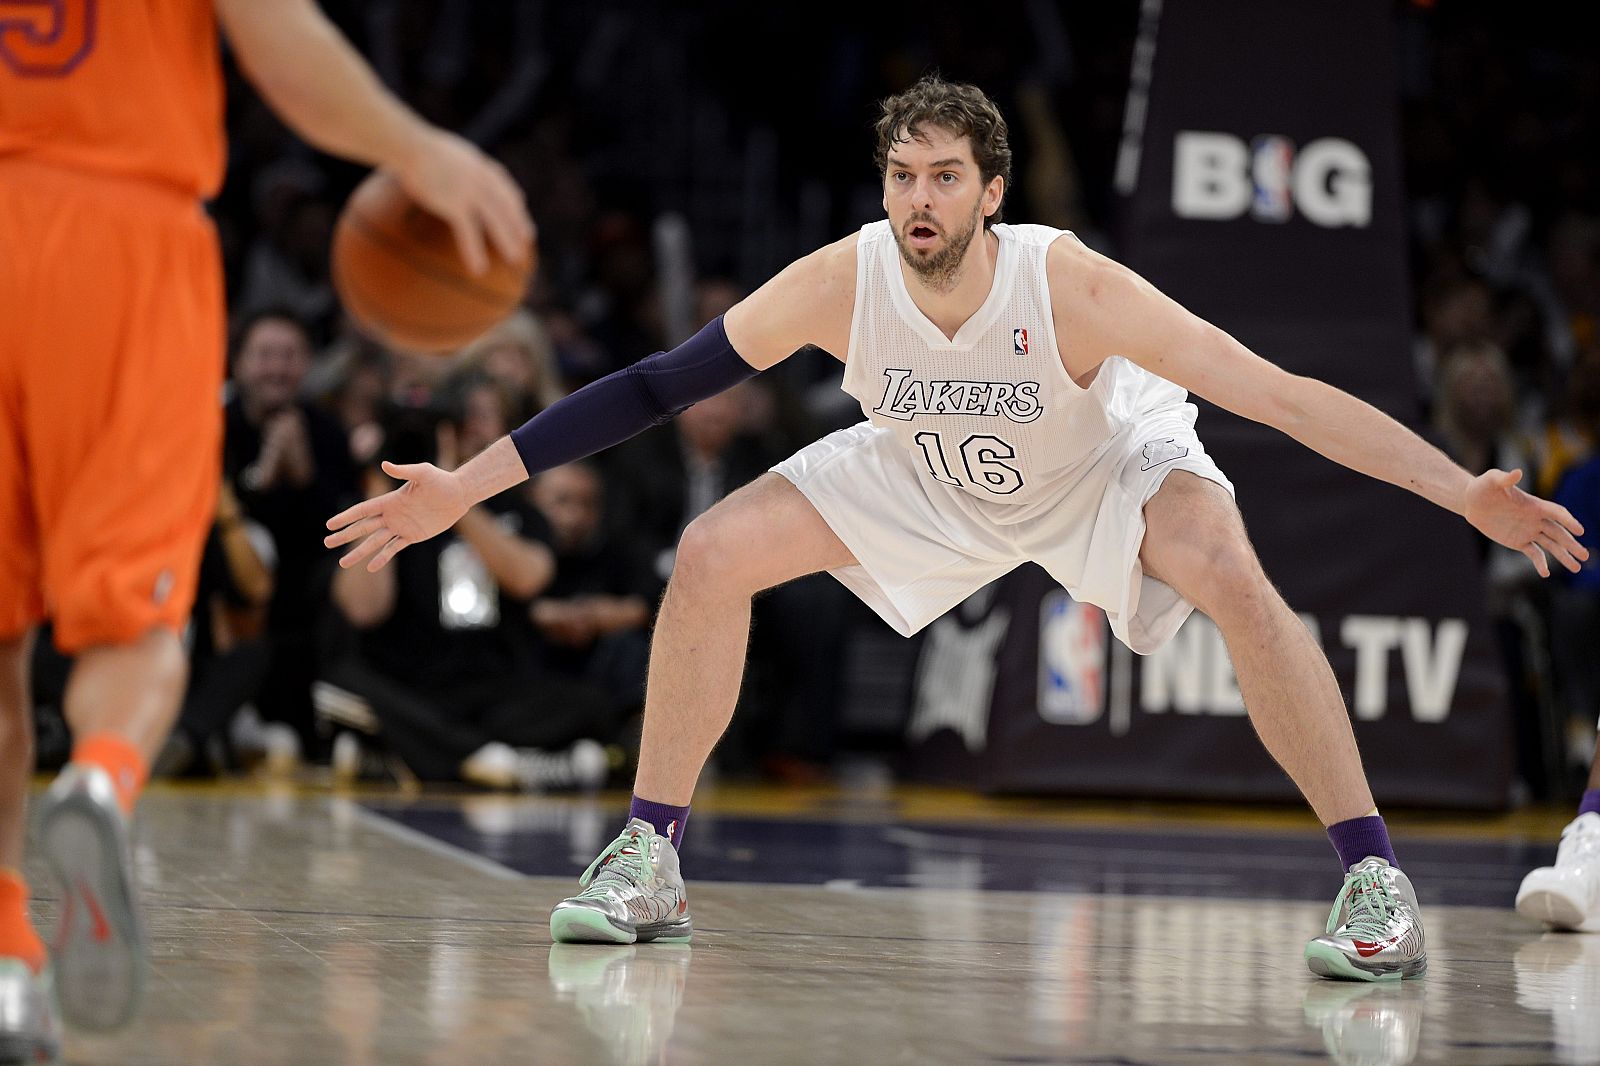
x=1019 y=341
x=1073 y=639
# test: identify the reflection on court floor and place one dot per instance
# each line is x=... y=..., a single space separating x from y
x=304 y=928
x=1213 y=863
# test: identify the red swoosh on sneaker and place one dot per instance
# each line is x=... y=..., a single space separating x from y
x=1366 y=948
x=101 y=929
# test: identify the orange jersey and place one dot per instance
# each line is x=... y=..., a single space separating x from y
x=126 y=87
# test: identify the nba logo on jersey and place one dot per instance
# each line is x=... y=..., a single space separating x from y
x=1019 y=341
x=1073 y=638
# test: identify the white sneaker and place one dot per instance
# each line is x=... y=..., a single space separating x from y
x=1567 y=895
x=584 y=766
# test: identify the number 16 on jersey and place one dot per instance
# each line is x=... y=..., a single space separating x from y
x=983 y=458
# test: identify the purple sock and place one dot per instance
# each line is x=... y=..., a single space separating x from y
x=667 y=819
x=1591 y=802
x=1357 y=838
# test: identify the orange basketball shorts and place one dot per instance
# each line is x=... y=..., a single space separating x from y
x=111 y=363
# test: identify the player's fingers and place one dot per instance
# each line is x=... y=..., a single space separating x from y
x=1559 y=553
x=469 y=240
x=1510 y=478
x=505 y=230
x=390 y=550
x=354 y=531
x=364 y=509
x=511 y=202
x=405 y=471
x=374 y=541
x=1564 y=538
x=1533 y=552
x=1554 y=512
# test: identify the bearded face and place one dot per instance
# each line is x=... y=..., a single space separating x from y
x=934 y=255
x=936 y=199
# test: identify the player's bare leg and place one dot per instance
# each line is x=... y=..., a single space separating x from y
x=16 y=747
x=120 y=702
x=29 y=1029
x=131 y=690
x=761 y=536
x=765 y=534
x=1195 y=542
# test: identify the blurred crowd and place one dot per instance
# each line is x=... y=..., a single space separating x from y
x=1500 y=113
x=511 y=652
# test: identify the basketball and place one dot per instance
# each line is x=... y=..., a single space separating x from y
x=399 y=274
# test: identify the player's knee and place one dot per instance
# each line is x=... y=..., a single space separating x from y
x=709 y=555
x=1229 y=580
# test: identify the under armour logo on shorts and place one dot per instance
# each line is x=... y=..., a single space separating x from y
x=1162 y=451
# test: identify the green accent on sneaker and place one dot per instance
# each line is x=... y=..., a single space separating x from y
x=1327 y=962
x=1370 y=907
x=630 y=852
x=576 y=925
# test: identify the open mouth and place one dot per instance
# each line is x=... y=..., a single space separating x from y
x=922 y=236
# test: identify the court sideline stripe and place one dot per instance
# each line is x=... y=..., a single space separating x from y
x=422 y=840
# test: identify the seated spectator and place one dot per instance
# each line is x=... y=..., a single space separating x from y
x=1575 y=601
x=666 y=478
x=286 y=265
x=517 y=356
x=359 y=399
x=228 y=653
x=289 y=464
x=1476 y=408
x=440 y=641
x=596 y=614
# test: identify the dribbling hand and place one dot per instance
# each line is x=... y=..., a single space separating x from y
x=429 y=502
x=475 y=194
x=1536 y=528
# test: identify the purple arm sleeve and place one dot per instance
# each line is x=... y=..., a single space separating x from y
x=620 y=405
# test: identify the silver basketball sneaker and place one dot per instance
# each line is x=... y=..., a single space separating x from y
x=99 y=943
x=1374 y=930
x=631 y=893
x=30 y=1032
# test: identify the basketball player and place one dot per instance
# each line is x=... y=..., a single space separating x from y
x=1025 y=401
x=111 y=351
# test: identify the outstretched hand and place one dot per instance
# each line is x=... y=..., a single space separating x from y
x=1536 y=528
x=429 y=502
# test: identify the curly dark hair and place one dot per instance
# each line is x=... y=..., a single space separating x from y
x=959 y=109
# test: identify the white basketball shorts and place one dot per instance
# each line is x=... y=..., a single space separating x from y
x=922 y=547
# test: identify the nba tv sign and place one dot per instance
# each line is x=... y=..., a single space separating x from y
x=1217 y=176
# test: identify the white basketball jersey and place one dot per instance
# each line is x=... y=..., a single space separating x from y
x=991 y=413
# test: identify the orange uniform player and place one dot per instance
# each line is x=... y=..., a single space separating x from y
x=111 y=363
x=111 y=366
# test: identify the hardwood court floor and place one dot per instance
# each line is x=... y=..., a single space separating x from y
x=295 y=926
